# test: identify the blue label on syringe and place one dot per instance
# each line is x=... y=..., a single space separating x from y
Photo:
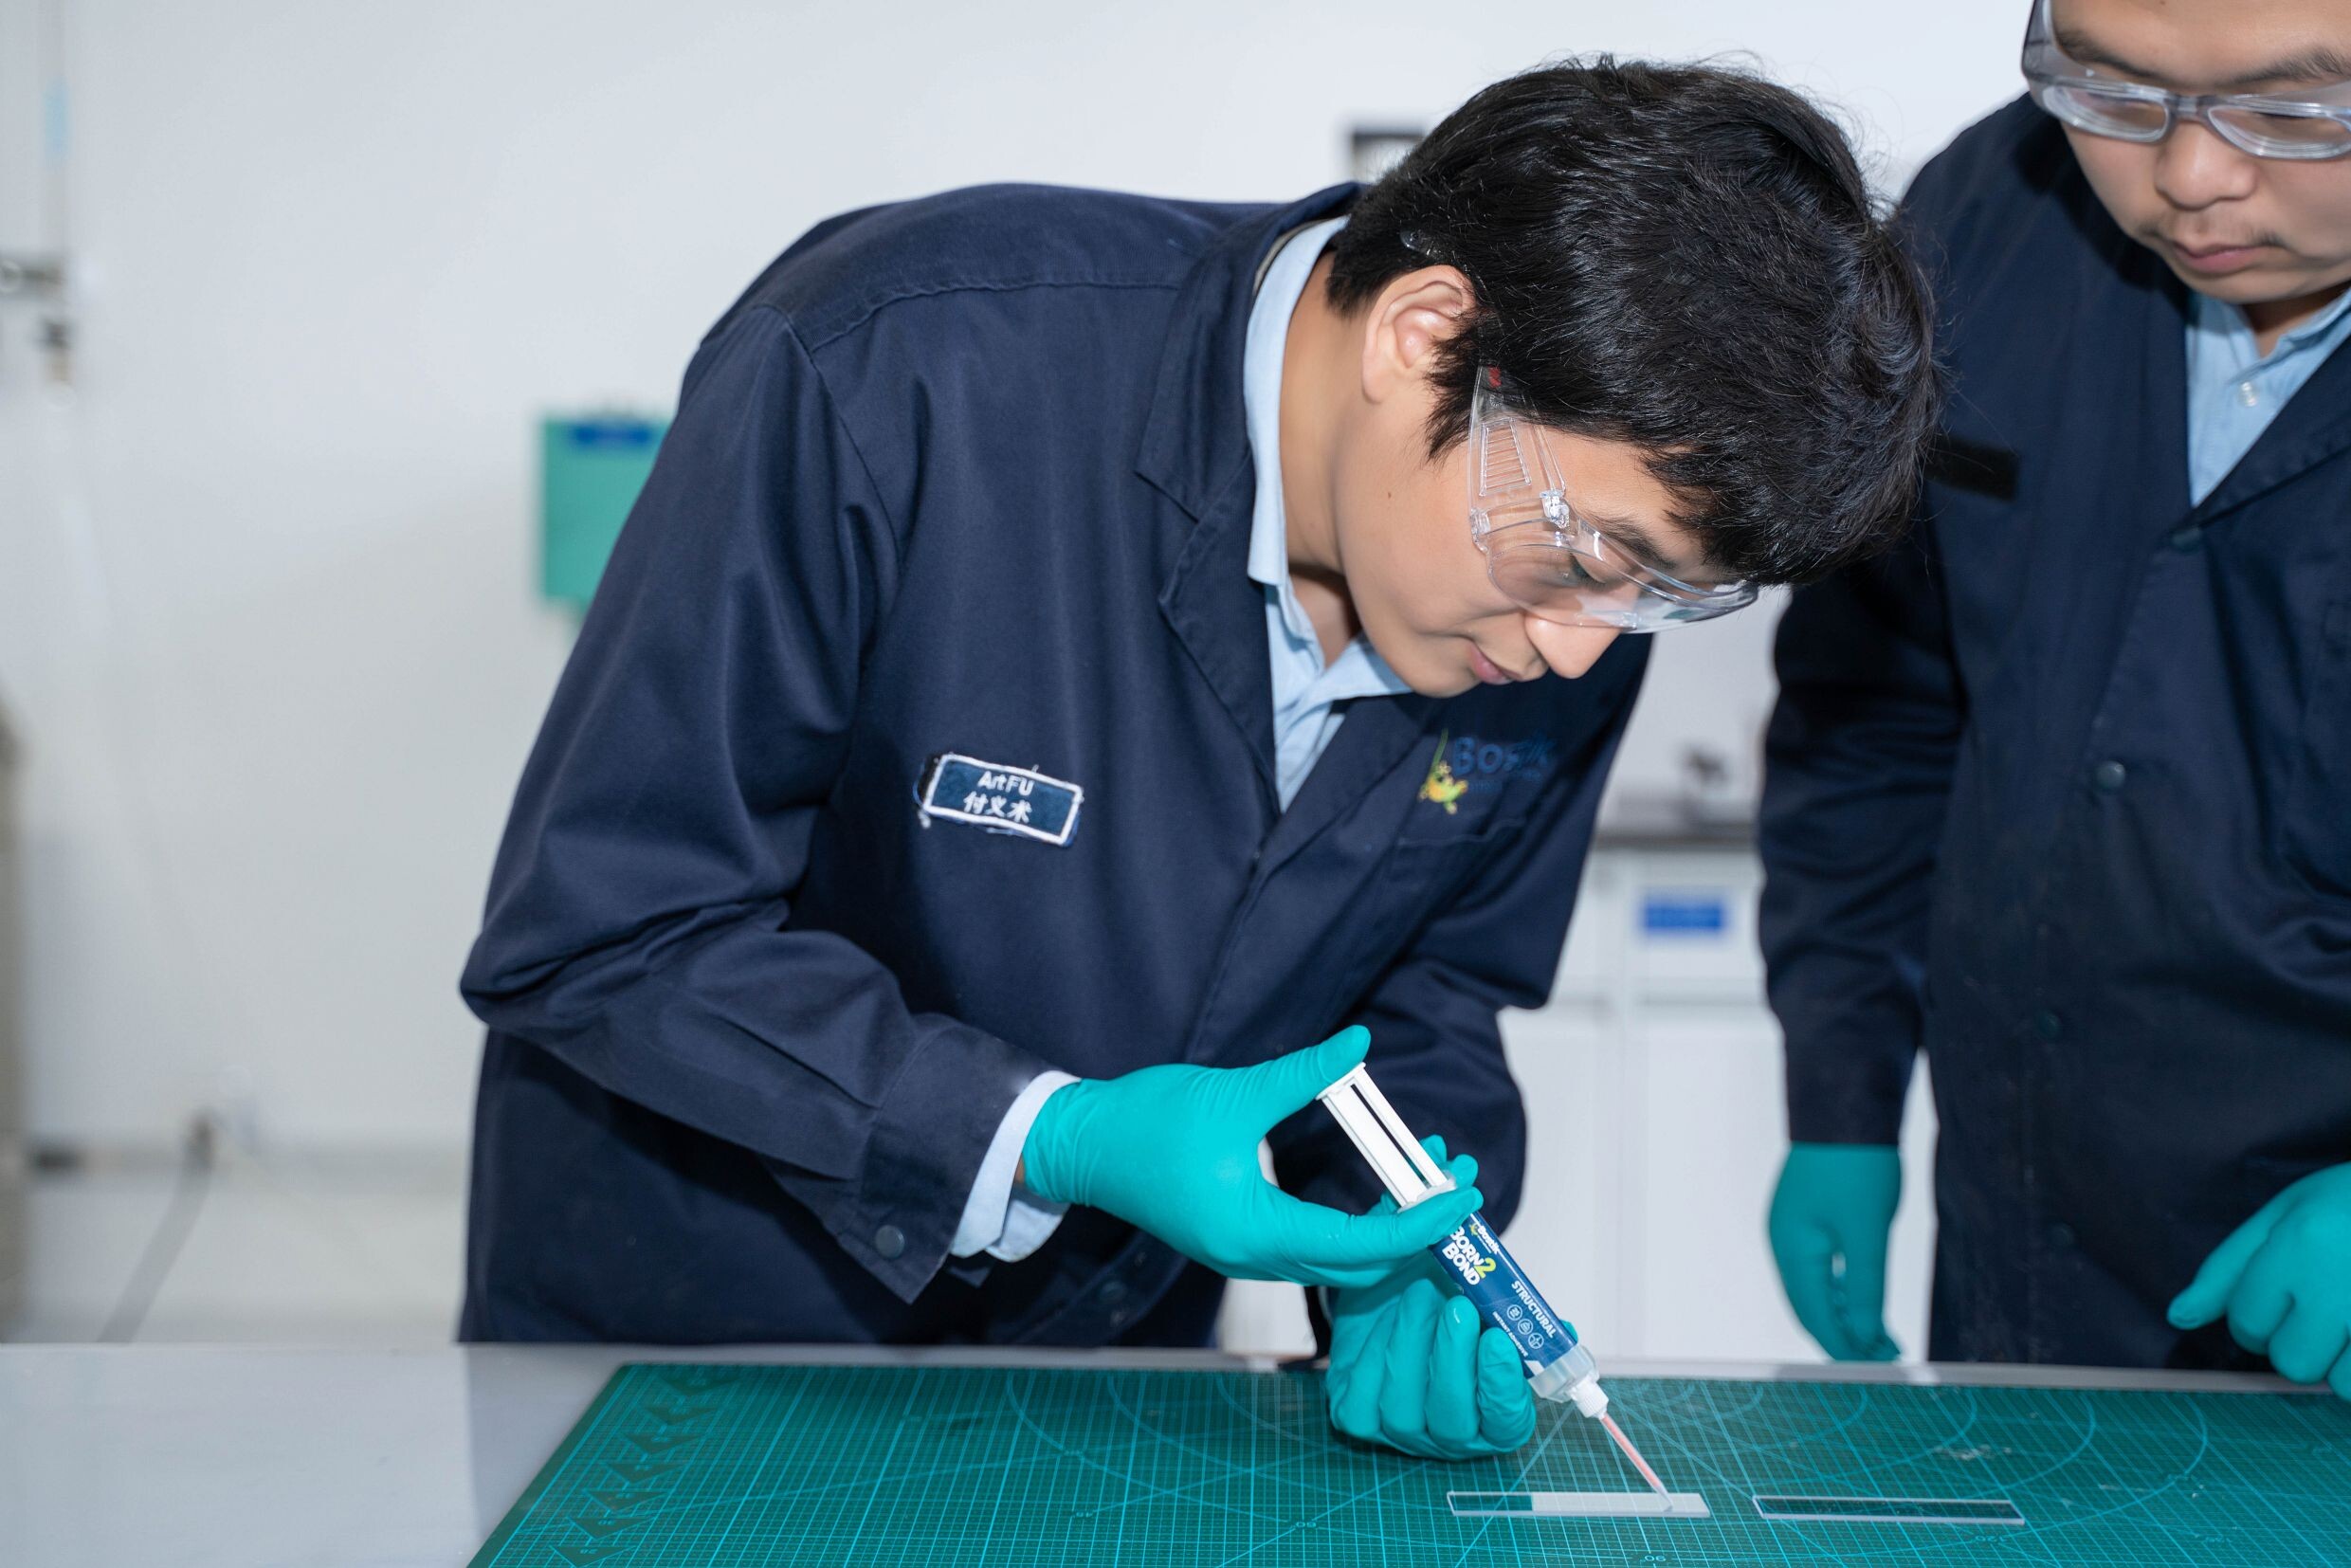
x=1505 y=1297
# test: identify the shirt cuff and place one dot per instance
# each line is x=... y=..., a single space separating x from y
x=1007 y=1223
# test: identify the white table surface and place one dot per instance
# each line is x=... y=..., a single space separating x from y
x=258 y=1457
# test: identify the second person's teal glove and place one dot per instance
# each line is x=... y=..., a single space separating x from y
x=1410 y=1368
x=2283 y=1280
x=1172 y=1150
x=1830 y=1218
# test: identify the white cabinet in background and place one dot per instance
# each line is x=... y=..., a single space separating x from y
x=1656 y=1123
x=1680 y=1267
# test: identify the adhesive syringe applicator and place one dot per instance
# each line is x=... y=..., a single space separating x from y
x=1558 y=1365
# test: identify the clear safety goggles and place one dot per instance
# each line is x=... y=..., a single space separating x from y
x=2308 y=123
x=1544 y=556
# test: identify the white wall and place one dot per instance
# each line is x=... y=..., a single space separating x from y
x=267 y=618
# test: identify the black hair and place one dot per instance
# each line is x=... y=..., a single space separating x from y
x=1686 y=258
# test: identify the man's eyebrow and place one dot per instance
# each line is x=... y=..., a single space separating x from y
x=2317 y=64
x=2086 y=51
x=1629 y=536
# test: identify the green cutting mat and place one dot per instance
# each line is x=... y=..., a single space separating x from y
x=770 y=1466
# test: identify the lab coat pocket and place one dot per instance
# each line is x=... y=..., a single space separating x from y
x=2315 y=829
x=1434 y=869
x=1443 y=834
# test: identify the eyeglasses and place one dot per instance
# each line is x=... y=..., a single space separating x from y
x=2312 y=123
x=1544 y=556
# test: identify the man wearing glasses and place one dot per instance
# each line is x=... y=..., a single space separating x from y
x=2062 y=794
x=1068 y=657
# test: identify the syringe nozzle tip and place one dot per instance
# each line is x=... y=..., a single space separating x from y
x=1635 y=1454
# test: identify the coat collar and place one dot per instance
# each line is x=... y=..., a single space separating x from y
x=2313 y=427
x=1196 y=452
x=1195 y=434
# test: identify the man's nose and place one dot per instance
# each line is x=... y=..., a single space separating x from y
x=2194 y=168
x=1569 y=650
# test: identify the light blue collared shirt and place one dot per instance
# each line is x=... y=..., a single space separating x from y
x=2233 y=391
x=1010 y=1225
x=1304 y=687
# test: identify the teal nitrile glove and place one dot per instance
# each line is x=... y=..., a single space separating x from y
x=2284 y=1279
x=1172 y=1150
x=1410 y=1367
x=1831 y=1216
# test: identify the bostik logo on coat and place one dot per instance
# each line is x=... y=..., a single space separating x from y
x=1001 y=798
x=1468 y=763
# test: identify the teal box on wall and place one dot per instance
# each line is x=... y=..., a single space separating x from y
x=590 y=470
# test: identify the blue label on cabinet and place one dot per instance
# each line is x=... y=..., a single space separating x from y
x=612 y=435
x=1682 y=913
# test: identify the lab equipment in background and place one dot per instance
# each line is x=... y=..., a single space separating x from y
x=41 y=279
x=42 y=275
x=1373 y=149
x=590 y=469
x=1711 y=794
x=1558 y=1365
x=16 y=1162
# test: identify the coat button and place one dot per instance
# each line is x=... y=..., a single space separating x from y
x=889 y=1241
x=1113 y=1292
x=2187 y=536
x=2061 y=1236
x=2048 y=1025
x=2108 y=775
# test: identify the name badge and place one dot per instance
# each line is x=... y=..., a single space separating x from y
x=999 y=798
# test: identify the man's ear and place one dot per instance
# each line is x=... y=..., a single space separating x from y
x=1415 y=314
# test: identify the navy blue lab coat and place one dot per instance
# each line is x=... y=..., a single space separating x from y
x=968 y=474
x=2063 y=792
